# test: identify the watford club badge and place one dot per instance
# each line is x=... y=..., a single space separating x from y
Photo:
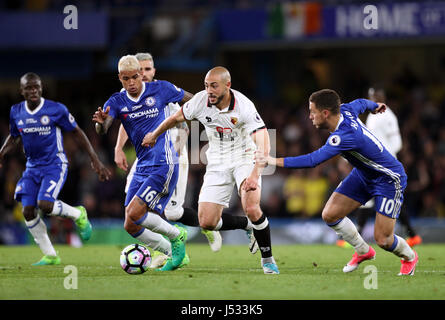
x=234 y=120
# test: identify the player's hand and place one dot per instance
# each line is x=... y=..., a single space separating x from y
x=250 y=184
x=100 y=115
x=120 y=159
x=149 y=140
x=261 y=159
x=101 y=170
x=380 y=109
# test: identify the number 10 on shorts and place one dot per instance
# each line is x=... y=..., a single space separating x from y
x=387 y=206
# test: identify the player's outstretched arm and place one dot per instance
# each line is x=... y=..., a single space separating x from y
x=119 y=156
x=170 y=122
x=9 y=145
x=98 y=166
x=261 y=158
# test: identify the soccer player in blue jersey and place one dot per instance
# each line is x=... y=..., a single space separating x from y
x=141 y=107
x=376 y=174
x=38 y=123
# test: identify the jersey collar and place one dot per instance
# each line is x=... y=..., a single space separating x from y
x=42 y=101
x=231 y=104
x=139 y=96
x=339 y=122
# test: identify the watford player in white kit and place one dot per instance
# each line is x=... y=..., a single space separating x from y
x=235 y=130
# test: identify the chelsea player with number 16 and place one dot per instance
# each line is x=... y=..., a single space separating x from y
x=141 y=107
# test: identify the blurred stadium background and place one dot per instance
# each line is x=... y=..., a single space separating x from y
x=278 y=52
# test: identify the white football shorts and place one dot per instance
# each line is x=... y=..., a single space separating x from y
x=218 y=185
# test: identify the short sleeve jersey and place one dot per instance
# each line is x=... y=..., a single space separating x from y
x=41 y=131
x=144 y=114
x=228 y=130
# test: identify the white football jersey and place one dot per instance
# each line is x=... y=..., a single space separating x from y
x=385 y=127
x=228 y=130
x=174 y=132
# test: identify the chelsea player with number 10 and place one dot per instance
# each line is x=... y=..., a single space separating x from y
x=377 y=174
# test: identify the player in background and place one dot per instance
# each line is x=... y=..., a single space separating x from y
x=141 y=107
x=376 y=174
x=234 y=129
x=38 y=123
x=174 y=210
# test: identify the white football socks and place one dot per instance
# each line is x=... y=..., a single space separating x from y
x=62 y=209
x=347 y=230
x=38 y=230
x=155 y=223
x=155 y=241
x=402 y=249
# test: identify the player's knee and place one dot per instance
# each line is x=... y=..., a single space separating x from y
x=29 y=213
x=130 y=226
x=328 y=217
x=253 y=212
x=383 y=241
x=45 y=206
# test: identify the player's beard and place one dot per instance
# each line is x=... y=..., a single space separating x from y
x=219 y=99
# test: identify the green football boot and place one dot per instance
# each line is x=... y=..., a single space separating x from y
x=83 y=224
x=47 y=261
x=168 y=266
x=185 y=261
x=178 y=251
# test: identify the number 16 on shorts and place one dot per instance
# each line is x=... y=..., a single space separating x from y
x=148 y=195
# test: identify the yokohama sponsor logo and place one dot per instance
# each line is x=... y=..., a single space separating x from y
x=150 y=113
x=37 y=129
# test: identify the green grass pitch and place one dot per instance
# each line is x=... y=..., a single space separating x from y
x=307 y=272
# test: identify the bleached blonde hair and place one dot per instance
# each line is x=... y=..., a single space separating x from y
x=128 y=63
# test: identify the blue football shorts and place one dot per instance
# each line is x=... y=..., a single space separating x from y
x=41 y=183
x=387 y=192
x=154 y=185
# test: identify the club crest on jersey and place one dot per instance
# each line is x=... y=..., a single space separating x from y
x=234 y=120
x=334 y=140
x=44 y=120
x=150 y=101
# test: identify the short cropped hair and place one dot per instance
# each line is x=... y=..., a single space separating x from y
x=326 y=99
x=128 y=63
x=144 y=56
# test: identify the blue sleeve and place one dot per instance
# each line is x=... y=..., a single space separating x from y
x=170 y=92
x=111 y=102
x=12 y=126
x=313 y=159
x=336 y=144
x=360 y=106
x=65 y=120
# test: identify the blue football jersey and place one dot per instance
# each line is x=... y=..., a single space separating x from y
x=144 y=114
x=353 y=140
x=41 y=131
